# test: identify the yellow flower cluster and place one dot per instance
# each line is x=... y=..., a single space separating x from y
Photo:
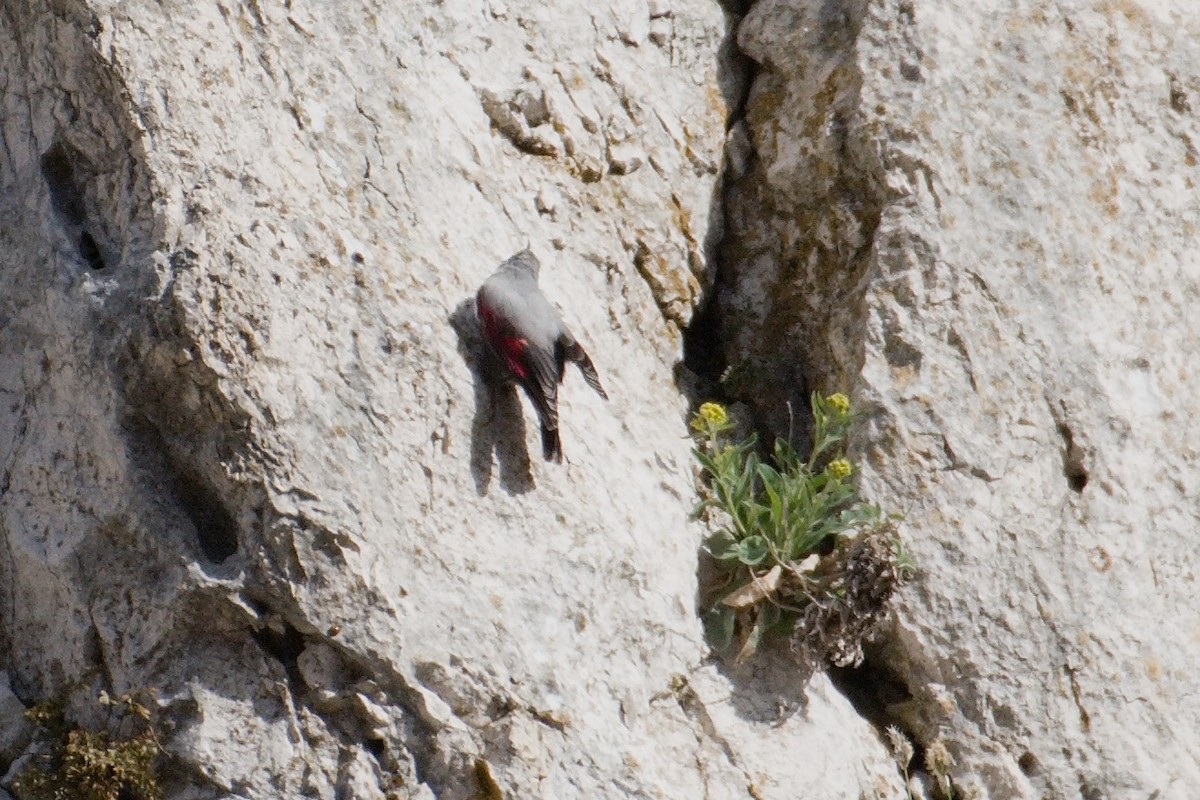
x=710 y=415
x=839 y=468
x=839 y=403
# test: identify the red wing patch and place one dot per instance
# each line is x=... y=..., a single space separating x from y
x=510 y=348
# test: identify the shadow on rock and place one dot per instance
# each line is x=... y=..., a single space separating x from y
x=772 y=684
x=498 y=429
x=770 y=687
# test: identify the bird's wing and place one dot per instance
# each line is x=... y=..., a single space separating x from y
x=572 y=350
x=541 y=383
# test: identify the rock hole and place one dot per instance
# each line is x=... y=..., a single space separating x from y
x=285 y=646
x=376 y=747
x=738 y=7
x=66 y=195
x=90 y=252
x=1029 y=764
x=1074 y=470
x=61 y=170
x=216 y=529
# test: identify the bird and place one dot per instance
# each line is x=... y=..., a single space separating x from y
x=530 y=338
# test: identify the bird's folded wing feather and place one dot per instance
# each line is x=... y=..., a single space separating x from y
x=542 y=384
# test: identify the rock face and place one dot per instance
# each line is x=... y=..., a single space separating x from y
x=249 y=456
x=984 y=217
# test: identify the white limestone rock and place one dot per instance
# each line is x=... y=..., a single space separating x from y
x=247 y=457
x=982 y=218
x=246 y=454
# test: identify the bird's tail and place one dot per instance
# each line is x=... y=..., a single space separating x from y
x=551 y=444
x=544 y=396
x=574 y=351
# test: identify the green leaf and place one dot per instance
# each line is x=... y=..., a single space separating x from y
x=772 y=482
x=722 y=546
x=778 y=510
x=718 y=626
x=752 y=550
x=744 y=480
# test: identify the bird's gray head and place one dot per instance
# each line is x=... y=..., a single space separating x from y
x=524 y=263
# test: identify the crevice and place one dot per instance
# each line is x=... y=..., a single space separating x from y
x=214 y=524
x=704 y=359
x=1072 y=455
x=739 y=69
x=216 y=529
x=875 y=691
x=785 y=310
x=90 y=252
x=882 y=697
x=1085 y=719
x=66 y=190
x=66 y=172
x=285 y=644
x=694 y=709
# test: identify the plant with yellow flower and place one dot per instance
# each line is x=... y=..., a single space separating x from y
x=782 y=524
